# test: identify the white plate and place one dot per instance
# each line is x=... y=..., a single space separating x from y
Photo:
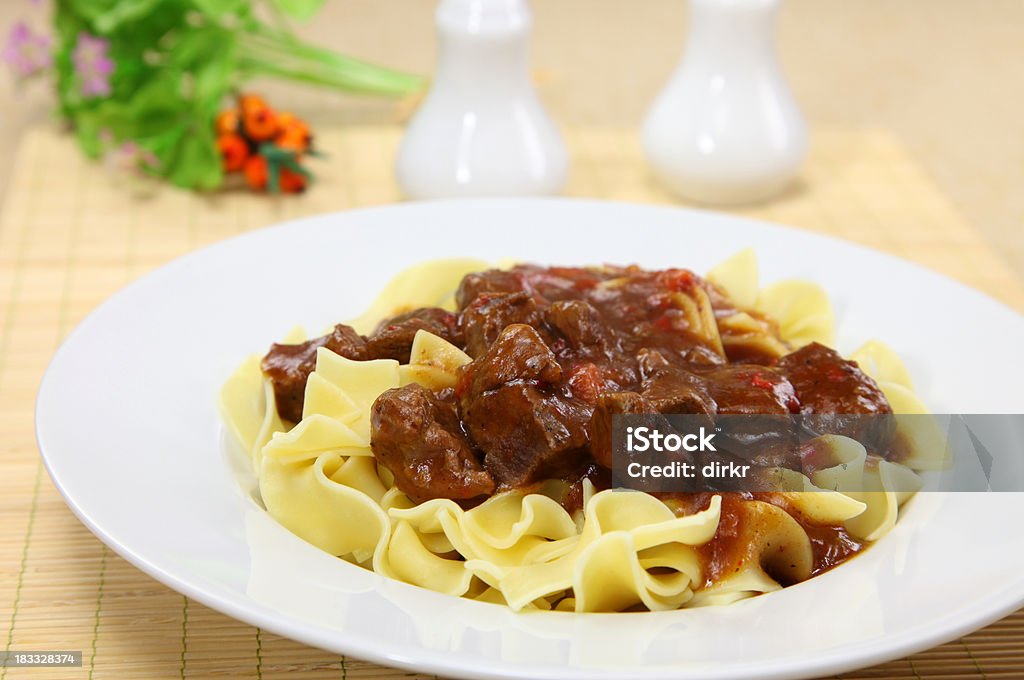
x=128 y=427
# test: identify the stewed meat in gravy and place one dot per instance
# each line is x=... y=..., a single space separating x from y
x=556 y=352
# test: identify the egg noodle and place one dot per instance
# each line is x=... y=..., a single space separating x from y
x=624 y=550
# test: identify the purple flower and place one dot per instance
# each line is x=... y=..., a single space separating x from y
x=126 y=158
x=139 y=157
x=26 y=52
x=93 y=65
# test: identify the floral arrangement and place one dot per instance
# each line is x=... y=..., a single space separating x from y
x=149 y=77
x=265 y=146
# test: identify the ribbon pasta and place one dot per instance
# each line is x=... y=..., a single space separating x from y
x=624 y=550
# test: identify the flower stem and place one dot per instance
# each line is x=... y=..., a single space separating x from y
x=265 y=51
x=351 y=81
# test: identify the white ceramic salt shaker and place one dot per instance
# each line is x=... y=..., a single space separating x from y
x=726 y=129
x=482 y=130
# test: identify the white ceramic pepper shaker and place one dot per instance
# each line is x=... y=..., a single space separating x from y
x=482 y=130
x=726 y=129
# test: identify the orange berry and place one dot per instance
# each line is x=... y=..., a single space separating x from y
x=259 y=123
x=251 y=101
x=227 y=122
x=288 y=119
x=256 y=172
x=294 y=133
x=233 y=152
x=294 y=139
x=291 y=182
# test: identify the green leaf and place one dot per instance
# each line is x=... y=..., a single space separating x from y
x=213 y=80
x=300 y=10
x=123 y=12
x=196 y=163
x=87 y=10
x=219 y=8
x=208 y=54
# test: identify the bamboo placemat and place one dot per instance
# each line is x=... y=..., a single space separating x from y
x=70 y=235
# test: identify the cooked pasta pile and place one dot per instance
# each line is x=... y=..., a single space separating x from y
x=624 y=550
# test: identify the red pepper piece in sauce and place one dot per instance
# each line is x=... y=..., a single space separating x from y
x=586 y=382
x=664 y=323
x=677 y=279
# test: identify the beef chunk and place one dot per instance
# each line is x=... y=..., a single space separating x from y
x=840 y=398
x=519 y=353
x=614 y=404
x=527 y=433
x=393 y=337
x=670 y=389
x=417 y=437
x=289 y=366
x=516 y=414
x=678 y=391
x=725 y=391
x=578 y=322
x=741 y=390
x=827 y=383
x=485 y=319
x=610 y=454
x=492 y=281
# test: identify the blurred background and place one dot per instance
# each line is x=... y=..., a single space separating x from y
x=942 y=74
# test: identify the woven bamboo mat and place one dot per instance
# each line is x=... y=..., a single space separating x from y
x=71 y=234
